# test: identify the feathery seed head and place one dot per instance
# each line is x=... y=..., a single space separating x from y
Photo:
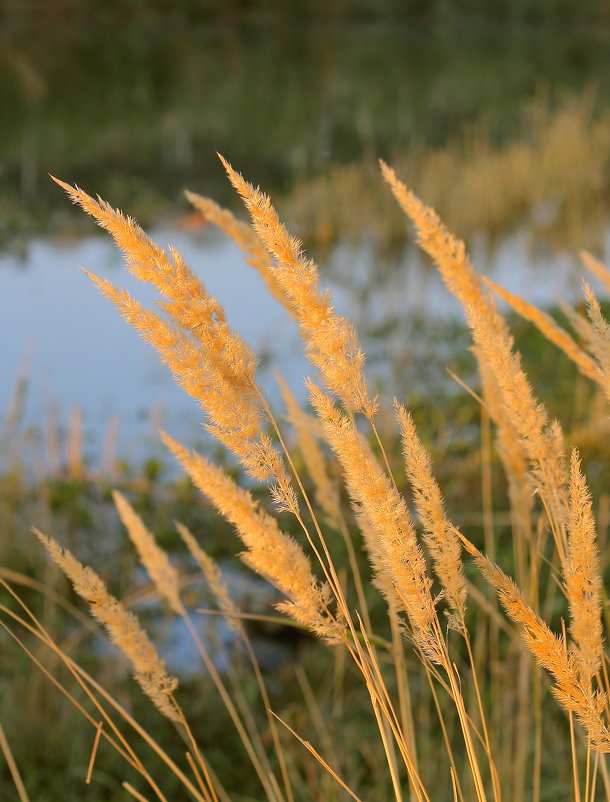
x=582 y=576
x=551 y=330
x=331 y=342
x=551 y=652
x=213 y=575
x=269 y=551
x=386 y=513
x=122 y=627
x=444 y=547
x=154 y=559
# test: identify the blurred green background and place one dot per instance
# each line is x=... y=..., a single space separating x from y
x=133 y=99
x=497 y=113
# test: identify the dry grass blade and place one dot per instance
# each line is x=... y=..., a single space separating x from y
x=98 y=696
x=232 y=616
x=200 y=782
x=126 y=753
x=12 y=767
x=134 y=793
x=96 y=742
x=319 y=758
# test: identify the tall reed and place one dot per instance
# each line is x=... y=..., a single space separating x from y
x=430 y=658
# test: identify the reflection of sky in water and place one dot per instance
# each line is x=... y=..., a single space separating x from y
x=86 y=356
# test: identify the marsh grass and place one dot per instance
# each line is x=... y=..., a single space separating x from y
x=455 y=697
x=554 y=208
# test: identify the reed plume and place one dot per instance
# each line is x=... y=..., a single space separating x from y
x=168 y=273
x=582 y=577
x=385 y=511
x=443 y=545
x=597 y=268
x=331 y=342
x=122 y=627
x=257 y=256
x=269 y=551
x=512 y=454
x=598 y=334
x=307 y=430
x=462 y=281
x=213 y=576
x=232 y=408
x=551 y=652
x=577 y=321
x=542 y=439
x=210 y=361
x=449 y=254
x=217 y=368
x=154 y=559
x=547 y=326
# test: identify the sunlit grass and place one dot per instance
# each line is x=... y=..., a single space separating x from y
x=414 y=683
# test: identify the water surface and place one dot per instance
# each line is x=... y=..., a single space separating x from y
x=84 y=355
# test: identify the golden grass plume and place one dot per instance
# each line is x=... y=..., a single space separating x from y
x=269 y=551
x=122 y=627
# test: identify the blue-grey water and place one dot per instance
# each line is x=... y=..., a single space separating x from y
x=81 y=354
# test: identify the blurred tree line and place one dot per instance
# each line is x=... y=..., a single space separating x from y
x=133 y=98
x=19 y=12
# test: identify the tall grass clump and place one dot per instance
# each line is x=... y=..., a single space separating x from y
x=474 y=656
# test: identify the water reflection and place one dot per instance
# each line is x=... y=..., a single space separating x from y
x=137 y=111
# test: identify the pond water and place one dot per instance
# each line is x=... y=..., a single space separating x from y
x=82 y=354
